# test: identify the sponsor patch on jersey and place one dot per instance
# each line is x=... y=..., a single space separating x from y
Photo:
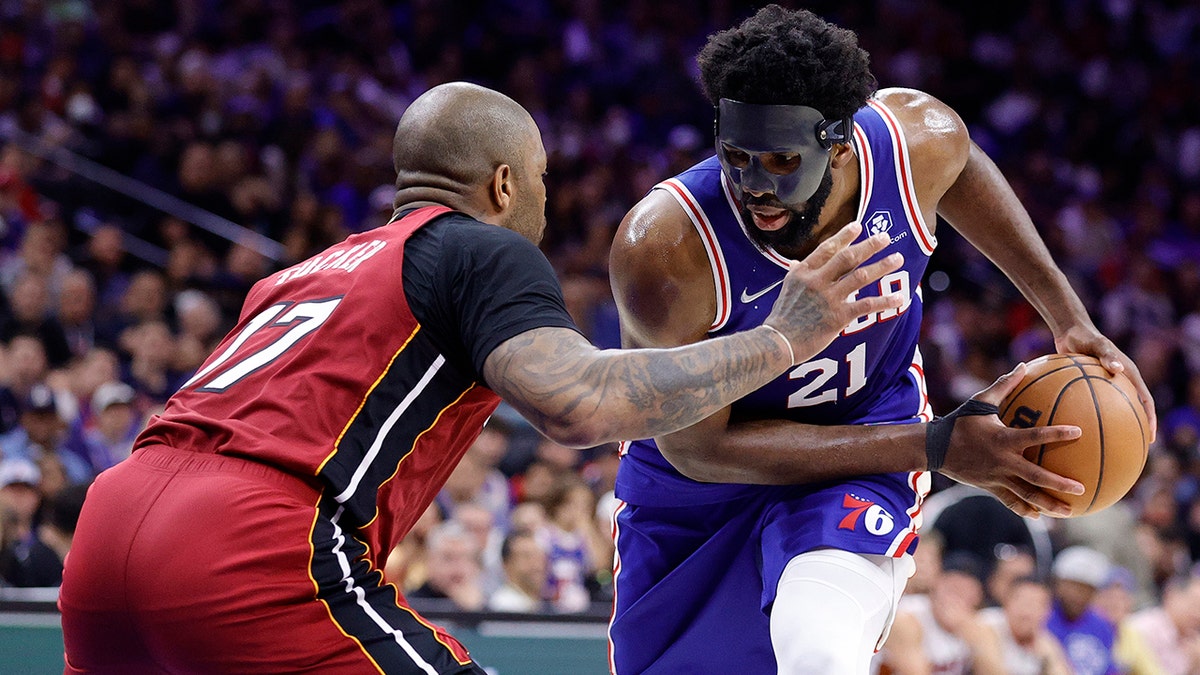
x=880 y=221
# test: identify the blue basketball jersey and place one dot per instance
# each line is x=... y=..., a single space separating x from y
x=870 y=374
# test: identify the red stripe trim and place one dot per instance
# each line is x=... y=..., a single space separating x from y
x=904 y=544
x=910 y=199
x=710 y=243
x=864 y=153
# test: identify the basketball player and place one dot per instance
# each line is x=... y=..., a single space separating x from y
x=802 y=571
x=248 y=530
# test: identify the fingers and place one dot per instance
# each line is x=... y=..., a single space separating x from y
x=1038 y=436
x=1031 y=502
x=847 y=260
x=861 y=276
x=1038 y=477
x=831 y=246
x=1003 y=386
x=1144 y=398
x=874 y=303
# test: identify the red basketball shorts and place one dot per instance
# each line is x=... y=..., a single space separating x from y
x=196 y=563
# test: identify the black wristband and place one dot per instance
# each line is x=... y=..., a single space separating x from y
x=937 y=433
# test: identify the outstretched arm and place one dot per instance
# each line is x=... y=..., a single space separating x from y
x=982 y=206
x=579 y=395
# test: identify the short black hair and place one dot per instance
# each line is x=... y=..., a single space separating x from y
x=785 y=57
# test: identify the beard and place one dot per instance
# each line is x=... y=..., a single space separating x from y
x=798 y=231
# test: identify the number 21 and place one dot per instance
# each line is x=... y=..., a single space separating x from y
x=823 y=370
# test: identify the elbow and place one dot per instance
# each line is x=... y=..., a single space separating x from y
x=576 y=433
x=698 y=467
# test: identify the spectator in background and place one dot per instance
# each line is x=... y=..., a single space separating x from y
x=116 y=424
x=30 y=299
x=145 y=299
x=407 y=564
x=1115 y=602
x=42 y=435
x=489 y=538
x=151 y=367
x=37 y=560
x=103 y=256
x=940 y=632
x=26 y=367
x=524 y=585
x=1019 y=625
x=39 y=255
x=475 y=480
x=573 y=545
x=19 y=500
x=1085 y=635
x=1172 y=631
x=77 y=312
x=201 y=326
x=1011 y=564
x=453 y=568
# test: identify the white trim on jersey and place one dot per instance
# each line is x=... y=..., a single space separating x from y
x=908 y=193
x=612 y=662
x=735 y=207
x=920 y=482
x=712 y=247
x=377 y=444
x=918 y=372
x=866 y=171
x=360 y=597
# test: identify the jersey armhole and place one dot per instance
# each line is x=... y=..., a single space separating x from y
x=716 y=259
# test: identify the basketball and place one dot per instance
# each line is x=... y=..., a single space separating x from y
x=1075 y=389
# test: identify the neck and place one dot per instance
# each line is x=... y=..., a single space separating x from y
x=842 y=206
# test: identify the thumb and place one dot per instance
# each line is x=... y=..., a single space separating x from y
x=1003 y=386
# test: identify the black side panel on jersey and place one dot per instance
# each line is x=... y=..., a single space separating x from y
x=405 y=402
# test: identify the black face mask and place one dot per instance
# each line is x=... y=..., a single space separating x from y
x=778 y=149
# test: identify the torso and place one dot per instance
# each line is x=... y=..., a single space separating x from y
x=329 y=376
x=872 y=373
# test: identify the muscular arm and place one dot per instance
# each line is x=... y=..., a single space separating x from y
x=579 y=395
x=981 y=205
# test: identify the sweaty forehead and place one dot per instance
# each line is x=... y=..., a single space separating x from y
x=768 y=128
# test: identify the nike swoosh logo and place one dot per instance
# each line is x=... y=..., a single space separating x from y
x=748 y=298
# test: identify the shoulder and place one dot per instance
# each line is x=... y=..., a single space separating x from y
x=655 y=225
x=660 y=273
x=937 y=138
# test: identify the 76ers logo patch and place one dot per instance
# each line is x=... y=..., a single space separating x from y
x=874 y=517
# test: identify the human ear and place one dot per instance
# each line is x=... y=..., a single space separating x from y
x=500 y=188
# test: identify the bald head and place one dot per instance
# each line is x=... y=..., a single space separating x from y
x=455 y=135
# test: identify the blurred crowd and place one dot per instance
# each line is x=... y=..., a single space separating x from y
x=278 y=116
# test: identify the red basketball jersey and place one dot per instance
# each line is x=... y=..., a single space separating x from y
x=328 y=376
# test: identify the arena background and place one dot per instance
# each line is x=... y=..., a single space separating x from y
x=213 y=141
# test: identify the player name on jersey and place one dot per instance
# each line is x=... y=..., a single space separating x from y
x=346 y=259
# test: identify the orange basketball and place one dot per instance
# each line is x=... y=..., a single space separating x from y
x=1075 y=389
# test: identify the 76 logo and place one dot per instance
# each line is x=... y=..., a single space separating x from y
x=874 y=517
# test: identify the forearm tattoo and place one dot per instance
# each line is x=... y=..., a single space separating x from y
x=558 y=382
